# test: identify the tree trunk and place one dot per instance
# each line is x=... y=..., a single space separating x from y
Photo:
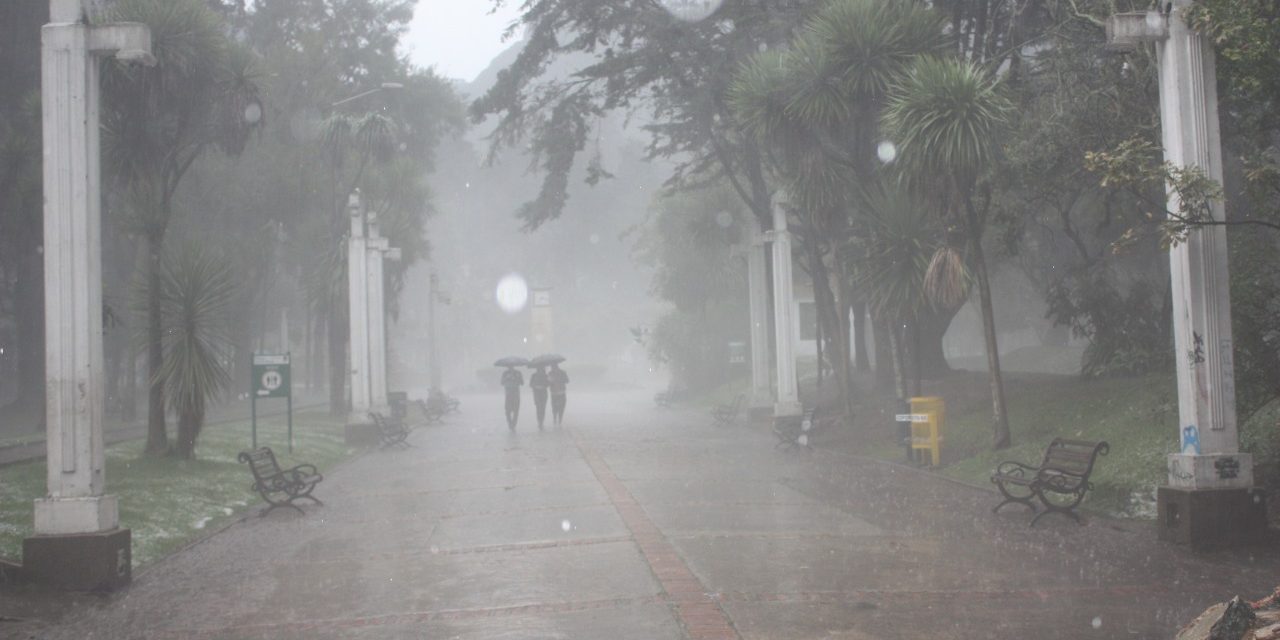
x=157 y=436
x=827 y=307
x=862 y=361
x=30 y=330
x=884 y=353
x=189 y=423
x=337 y=365
x=1000 y=420
x=933 y=325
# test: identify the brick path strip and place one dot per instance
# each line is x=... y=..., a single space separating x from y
x=700 y=614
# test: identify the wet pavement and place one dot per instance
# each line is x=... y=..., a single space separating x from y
x=640 y=523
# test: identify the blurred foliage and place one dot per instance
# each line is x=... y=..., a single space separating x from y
x=1128 y=331
x=690 y=242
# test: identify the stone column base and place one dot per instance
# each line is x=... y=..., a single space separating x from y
x=361 y=434
x=100 y=561
x=1211 y=518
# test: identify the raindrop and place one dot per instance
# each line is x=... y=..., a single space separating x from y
x=512 y=293
x=724 y=219
x=434 y=550
x=1097 y=622
x=690 y=10
x=565 y=525
x=253 y=113
x=595 y=238
x=887 y=152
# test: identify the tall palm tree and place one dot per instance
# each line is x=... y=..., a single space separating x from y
x=157 y=122
x=197 y=289
x=946 y=116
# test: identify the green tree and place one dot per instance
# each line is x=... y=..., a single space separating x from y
x=197 y=289
x=948 y=116
x=157 y=122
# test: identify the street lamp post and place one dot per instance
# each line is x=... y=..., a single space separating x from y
x=1209 y=499
x=78 y=543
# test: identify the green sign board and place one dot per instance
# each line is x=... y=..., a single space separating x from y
x=270 y=379
x=270 y=375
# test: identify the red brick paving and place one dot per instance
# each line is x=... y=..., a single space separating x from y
x=700 y=614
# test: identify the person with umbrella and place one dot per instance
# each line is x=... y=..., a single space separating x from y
x=511 y=382
x=559 y=382
x=539 y=383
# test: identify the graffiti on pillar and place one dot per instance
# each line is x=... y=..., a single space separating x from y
x=1227 y=468
x=1196 y=355
x=1177 y=473
x=1191 y=439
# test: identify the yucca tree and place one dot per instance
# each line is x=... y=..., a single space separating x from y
x=197 y=290
x=815 y=106
x=947 y=117
x=157 y=122
x=352 y=145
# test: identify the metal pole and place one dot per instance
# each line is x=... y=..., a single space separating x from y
x=432 y=349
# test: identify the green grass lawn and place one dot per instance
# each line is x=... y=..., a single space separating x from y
x=169 y=502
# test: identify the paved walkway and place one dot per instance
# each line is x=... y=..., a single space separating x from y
x=635 y=523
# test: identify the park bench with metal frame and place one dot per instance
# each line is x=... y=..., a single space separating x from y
x=432 y=414
x=280 y=487
x=1059 y=483
x=727 y=413
x=796 y=432
x=392 y=431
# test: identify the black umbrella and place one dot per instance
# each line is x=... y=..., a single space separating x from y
x=546 y=359
x=511 y=361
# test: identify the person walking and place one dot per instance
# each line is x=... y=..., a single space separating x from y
x=511 y=382
x=559 y=381
x=540 y=384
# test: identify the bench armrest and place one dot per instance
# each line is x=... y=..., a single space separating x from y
x=1016 y=469
x=302 y=470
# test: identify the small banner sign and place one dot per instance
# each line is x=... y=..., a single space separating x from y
x=911 y=417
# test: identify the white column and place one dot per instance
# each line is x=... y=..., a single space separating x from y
x=1201 y=293
x=75 y=503
x=377 y=321
x=358 y=300
x=432 y=347
x=758 y=301
x=788 y=402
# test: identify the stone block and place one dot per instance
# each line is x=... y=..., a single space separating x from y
x=100 y=561
x=1211 y=518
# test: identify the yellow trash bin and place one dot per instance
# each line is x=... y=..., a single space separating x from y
x=928 y=415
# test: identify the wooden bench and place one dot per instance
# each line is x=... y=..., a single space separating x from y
x=797 y=432
x=392 y=431
x=280 y=487
x=1059 y=483
x=726 y=414
x=431 y=414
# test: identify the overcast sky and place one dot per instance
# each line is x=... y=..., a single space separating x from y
x=458 y=37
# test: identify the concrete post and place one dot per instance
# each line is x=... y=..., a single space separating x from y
x=1209 y=499
x=358 y=300
x=77 y=543
x=376 y=248
x=788 y=401
x=758 y=301
x=433 y=350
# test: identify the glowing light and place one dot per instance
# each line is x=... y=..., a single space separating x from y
x=691 y=10
x=512 y=293
x=887 y=152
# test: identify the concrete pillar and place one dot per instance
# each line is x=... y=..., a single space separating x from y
x=433 y=350
x=1201 y=291
x=77 y=543
x=758 y=301
x=788 y=400
x=1209 y=500
x=377 y=247
x=358 y=300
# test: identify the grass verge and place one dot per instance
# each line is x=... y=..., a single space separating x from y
x=169 y=502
